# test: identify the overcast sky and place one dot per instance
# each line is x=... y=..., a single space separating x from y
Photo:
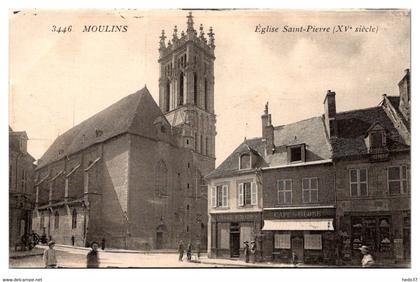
x=57 y=78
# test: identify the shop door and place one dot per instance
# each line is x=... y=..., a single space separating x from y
x=235 y=244
x=297 y=247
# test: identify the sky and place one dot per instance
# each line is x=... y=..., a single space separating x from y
x=57 y=80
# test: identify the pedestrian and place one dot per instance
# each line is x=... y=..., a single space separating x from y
x=294 y=258
x=181 y=250
x=198 y=250
x=92 y=258
x=189 y=251
x=72 y=240
x=50 y=257
x=246 y=251
x=253 y=251
x=103 y=244
x=367 y=260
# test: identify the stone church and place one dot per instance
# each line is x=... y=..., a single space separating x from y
x=132 y=174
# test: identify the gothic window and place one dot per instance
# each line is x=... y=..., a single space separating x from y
x=205 y=95
x=207 y=146
x=181 y=89
x=161 y=179
x=74 y=219
x=196 y=141
x=56 y=220
x=195 y=89
x=201 y=144
x=167 y=95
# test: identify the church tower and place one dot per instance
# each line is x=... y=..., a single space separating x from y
x=186 y=90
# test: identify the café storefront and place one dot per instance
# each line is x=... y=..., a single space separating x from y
x=299 y=234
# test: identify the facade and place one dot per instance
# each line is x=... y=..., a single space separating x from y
x=324 y=186
x=132 y=175
x=372 y=158
x=21 y=196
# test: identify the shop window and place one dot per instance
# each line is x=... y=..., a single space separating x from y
x=284 y=191
x=312 y=241
x=245 y=161
x=397 y=180
x=247 y=194
x=310 y=190
x=223 y=235
x=358 y=182
x=220 y=196
x=282 y=241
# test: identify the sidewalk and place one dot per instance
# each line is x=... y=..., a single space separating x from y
x=23 y=254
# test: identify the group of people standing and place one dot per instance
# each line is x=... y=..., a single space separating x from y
x=250 y=251
x=189 y=251
x=50 y=256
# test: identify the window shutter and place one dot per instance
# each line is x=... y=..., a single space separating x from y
x=253 y=193
x=213 y=196
x=225 y=195
x=241 y=194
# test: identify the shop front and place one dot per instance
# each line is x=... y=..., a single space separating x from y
x=230 y=230
x=299 y=235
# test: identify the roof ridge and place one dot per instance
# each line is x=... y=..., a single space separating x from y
x=357 y=110
x=302 y=120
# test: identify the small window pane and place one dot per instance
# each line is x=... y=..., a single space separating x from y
x=394 y=173
x=305 y=183
x=306 y=196
x=314 y=183
x=363 y=189
x=288 y=185
x=353 y=175
x=394 y=187
x=404 y=172
x=363 y=175
x=405 y=187
x=314 y=196
x=281 y=185
x=288 y=197
x=353 y=189
x=281 y=198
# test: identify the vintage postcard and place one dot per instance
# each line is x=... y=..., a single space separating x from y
x=209 y=138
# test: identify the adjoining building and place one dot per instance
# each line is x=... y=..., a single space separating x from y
x=132 y=174
x=372 y=162
x=319 y=188
x=21 y=193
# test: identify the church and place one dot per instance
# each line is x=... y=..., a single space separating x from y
x=132 y=175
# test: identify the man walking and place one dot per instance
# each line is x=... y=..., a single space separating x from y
x=92 y=258
x=246 y=251
x=181 y=250
x=50 y=258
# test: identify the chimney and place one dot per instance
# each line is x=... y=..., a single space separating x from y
x=267 y=130
x=405 y=95
x=330 y=114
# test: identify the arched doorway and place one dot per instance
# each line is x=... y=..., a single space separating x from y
x=160 y=236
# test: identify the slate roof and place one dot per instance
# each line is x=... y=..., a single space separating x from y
x=134 y=113
x=310 y=131
x=352 y=129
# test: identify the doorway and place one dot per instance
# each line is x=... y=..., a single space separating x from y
x=235 y=237
x=297 y=247
x=159 y=240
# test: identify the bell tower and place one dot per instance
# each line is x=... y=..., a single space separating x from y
x=186 y=90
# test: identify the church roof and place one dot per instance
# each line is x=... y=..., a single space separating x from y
x=134 y=113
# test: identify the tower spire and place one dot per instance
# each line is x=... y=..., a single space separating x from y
x=175 y=35
x=190 y=23
x=162 y=40
x=211 y=38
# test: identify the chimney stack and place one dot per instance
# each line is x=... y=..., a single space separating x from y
x=330 y=114
x=267 y=130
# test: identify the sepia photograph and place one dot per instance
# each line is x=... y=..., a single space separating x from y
x=209 y=138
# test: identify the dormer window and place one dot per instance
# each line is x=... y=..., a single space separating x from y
x=245 y=161
x=376 y=138
x=296 y=153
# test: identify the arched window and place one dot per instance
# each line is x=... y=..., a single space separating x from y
x=56 y=220
x=205 y=95
x=195 y=89
x=74 y=219
x=196 y=141
x=161 y=179
x=181 y=89
x=167 y=96
x=201 y=144
x=207 y=146
x=245 y=161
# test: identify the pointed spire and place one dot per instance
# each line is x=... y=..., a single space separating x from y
x=175 y=35
x=162 y=40
x=211 y=38
x=169 y=43
x=202 y=32
x=190 y=23
x=266 y=108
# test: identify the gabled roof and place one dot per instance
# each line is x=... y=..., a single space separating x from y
x=353 y=126
x=134 y=113
x=230 y=166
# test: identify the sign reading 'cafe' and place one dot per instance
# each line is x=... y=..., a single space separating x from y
x=300 y=213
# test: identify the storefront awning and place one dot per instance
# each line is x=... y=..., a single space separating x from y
x=321 y=224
